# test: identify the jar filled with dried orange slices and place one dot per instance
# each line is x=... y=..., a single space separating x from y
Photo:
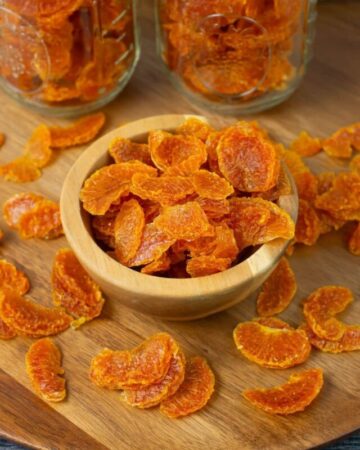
x=236 y=55
x=67 y=56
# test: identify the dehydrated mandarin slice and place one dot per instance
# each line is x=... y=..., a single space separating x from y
x=153 y=394
x=186 y=221
x=104 y=227
x=306 y=145
x=201 y=266
x=195 y=127
x=17 y=205
x=37 y=148
x=283 y=187
x=144 y=365
x=21 y=170
x=307 y=186
x=80 y=132
x=308 y=226
x=277 y=291
x=43 y=365
x=108 y=184
x=210 y=185
x=355 y=164
x=29 y=318
x=186 y=167
x=294 y=163
x=154 y=243
x=214 y=209
x=195 y=391
x=350 y=340
x=275 y=348
x=272 y=322
x=322 y=305
x=128 y=230
x=256 y=221
x=54 y=93
x=43 y=221
x=354 y=240
x=294 y=396
x=6 y=332
x=72 y=287
x=325 y=181
x=248 y=159
x=12 y=278
x=123 y=150
x=339 y=144
x=159 y=265
x=165 y=190
x=211 y=145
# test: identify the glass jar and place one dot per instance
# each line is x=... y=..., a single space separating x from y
x=66 y=57
x=238 y=56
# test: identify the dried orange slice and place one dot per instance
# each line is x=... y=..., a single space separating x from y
x=195 y=391
x=17 y=205
x=123 y=150
x=12 y=278
x=320 y=308
x=6 y=332
x=338 y=144
x=159 y=265
x=214 y=209
x=43 y=365
x=43 y=221
x=195 y=127
x=275 y=348
x=306 y=145
x=349 y=341
x=201 y=266
x=37 y=148
x=308 y=225
x=210 y=185
x=294 y=396
x=307 y=186
x=21 y=170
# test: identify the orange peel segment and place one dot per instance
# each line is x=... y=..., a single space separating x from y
x=12 y=278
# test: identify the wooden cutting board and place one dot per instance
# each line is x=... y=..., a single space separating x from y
x=92 y=418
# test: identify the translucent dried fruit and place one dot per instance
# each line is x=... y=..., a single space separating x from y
x=210 y=185
x=214 y=209
x=43 y=221
x=194 y=393
x=201 y=266
x=31 y=319
x=339 y=144
x=256 y=221
x=307 y=186
x=12 y=278
x=211 y=145
x=37 y=148
x=350 y=340
x=154 y=243
x=54 y=93
x=104 y=227
x=282 y=187
x=80 y=132
x=306 y=145
x=72 y=287
x=354 y=240
x=355 y=164
x=17 y=205
x=161 y=264
x=195 y=127
x=144 y=365
x=108 y=184
x=123 y=150
x=308 y=226
x=43 y=365
x=186 y=221
x=153 y=394
x=294 y=396
x=277 y=291
x=20 y=170
x=325 y=181
x=248 y=159
x=294 y=163
x=328 y=222
x=128 y=230
x=165 y=189
x=275 y=348
x=320 y=308
x=272 y=322
x=6 y=332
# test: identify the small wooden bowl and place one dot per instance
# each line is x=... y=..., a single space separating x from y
x=176 y=299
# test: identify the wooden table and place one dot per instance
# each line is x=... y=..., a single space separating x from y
x=92 y=418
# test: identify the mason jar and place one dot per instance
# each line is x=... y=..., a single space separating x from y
x=67 y=57
x=237 y=56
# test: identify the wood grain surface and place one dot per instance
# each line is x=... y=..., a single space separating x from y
x=92 y=418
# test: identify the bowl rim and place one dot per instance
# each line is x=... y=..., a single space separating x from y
x=114 y=273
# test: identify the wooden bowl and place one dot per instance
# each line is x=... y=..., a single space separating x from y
x=176 y=299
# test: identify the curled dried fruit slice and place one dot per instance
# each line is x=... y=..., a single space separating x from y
x=248 y=159
x=186 y=221
x=154 y=243
x=339 y=144
x=21 y=170
x=29 y=318
x=294 y=396
x=153 y=394
x=275 y=348
x=195 y=127
x=37 y=148
x=277 y=291
x=12 y=278
x=283 y=187
x=144 y=365
x=73 y=289
x=349 y=341
x=210 y=185
x=201 y=266
x=103 y=227
x=256 y=221
x=294 y=163
x=17 y=205
x=214 y=209
x=43 y=221
x=307 y=186
x=308 y=225
x=80 y=132
x=165 y=189
x=272 y=322
x=306 y=145
x=6 y=332
x=128 y=230
x=322 y=305
x=108 y=184
x=195 y=391
x=325 y=181
x=354 y=240
x=123 y=150
x=159 y=265
x=43 y=365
